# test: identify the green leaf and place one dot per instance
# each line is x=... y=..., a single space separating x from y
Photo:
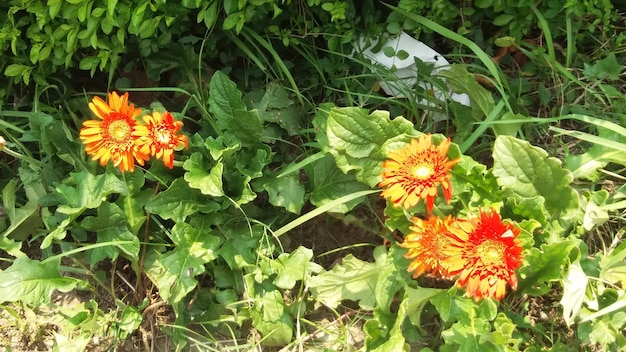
x=545 y=265
x=133 y=207
x=174 y=271
x=32 y=282
x=330 y=183
x=269 y=313
x=209 y=183
x=608 y=67
x=356 y=138
x=353 y=279
x=231 y=114
x=111 y=227
x=586 y=165
x=291 y=267
x=525 y=171
x=83 y=190
x=574 y=290
x=24 y=221
x=462 y=81
x=240 y=249
x=180 y=201
x=286 y=192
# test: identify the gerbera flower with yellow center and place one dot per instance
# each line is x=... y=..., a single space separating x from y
x=112 y=137
x=427 y=245
x=415 y=172
x=485 y=256
x=160 y=136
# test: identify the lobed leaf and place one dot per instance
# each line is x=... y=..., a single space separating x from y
x=180 y=201
x=111 y=227
x=174 y=272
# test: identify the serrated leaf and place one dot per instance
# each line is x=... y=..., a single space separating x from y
x=545 y=265
x=525 y=171
x=574 y=290
x=291 y=267
x=355 y=138
x=286 y=192
x=180 y=201
x=353 y=279
x=110 y=227
x=330 y=183
x=209 y=183
x=231 y=114
x=32 y=282
x=174 y=271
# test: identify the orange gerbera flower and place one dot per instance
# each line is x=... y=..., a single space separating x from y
x=428 y=243
x=485 y=256
x=415 y=171
x=159 y=136
x=111 y=137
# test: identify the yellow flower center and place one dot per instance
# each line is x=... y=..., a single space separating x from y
x=162 y=136
x=119 y=130
x=423 y=171
x=491 y=252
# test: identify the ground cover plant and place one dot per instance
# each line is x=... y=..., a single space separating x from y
x=220 y=175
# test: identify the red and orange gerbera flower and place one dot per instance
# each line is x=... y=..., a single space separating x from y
x=415 y=172
x=159 y=136
x=119 y=135
x=111 y=137
x=428 y=243
x=485 y=256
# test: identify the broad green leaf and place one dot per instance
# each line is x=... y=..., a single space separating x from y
x=32 y=282
x=240 y=248
x=85 y=191
x=286 y=192
x=356 y=138
x=353 y=279
x=330 y=183
x=174 y=271
x=544 y=265
x=275 y=105
x=269 y=313
x=574 y=290
x=180 y=201
x=291 y=267
x=82 y=191
x=110 y=226
x=231 y=114
x=209 y=183
x=525 y=171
